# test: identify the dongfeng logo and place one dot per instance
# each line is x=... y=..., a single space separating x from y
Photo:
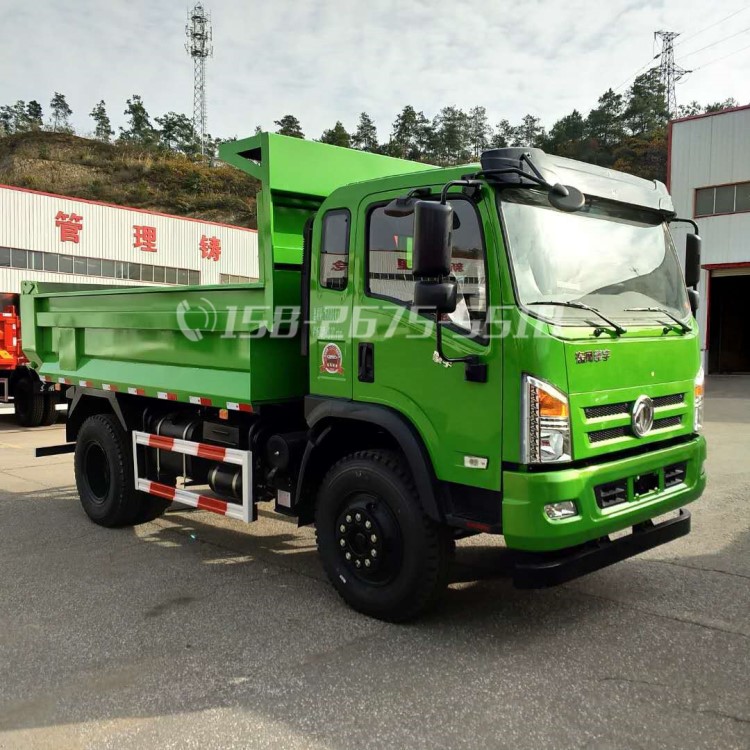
x=643 y=415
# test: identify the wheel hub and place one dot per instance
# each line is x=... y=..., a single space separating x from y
x=369 y=539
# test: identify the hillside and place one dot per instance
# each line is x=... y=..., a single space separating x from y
x=127 y=175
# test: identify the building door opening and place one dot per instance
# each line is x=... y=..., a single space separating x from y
x=729 y=323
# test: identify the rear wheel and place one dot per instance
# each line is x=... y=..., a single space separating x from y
x=383 y=555
x=49 y=413
x=28 y=404
x=104 y=475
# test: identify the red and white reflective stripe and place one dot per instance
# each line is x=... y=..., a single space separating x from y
x=85 y=383
x=192 y=499
x=167 y=396
x=200 y=400
x=244 y=511
x=7 y=315
x=136 y=392
x=190 y=448
x=108 y=387
x=45 y=378
x=234 y=406
x=64 y=381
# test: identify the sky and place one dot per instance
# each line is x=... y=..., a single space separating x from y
x=328 y=60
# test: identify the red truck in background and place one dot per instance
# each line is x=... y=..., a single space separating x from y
x=34 y=402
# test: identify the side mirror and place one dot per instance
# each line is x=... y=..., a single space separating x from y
x=566 y=198
x=693 y=299
x=692 y=260
x=438 y=296
x=432 y=244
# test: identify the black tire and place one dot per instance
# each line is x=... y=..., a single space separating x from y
x=104 y=473
x=28 y=404
x=49 y=414
x=410 y=568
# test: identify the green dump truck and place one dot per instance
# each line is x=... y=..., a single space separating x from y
x=429 y=353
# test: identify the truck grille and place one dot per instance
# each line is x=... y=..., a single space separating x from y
x=628 y=489
x=612 y=433
x=625 y=407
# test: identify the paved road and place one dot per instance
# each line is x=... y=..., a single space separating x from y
x=189 y=632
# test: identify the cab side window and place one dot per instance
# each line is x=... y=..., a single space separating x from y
x=334 y=250
x=389 y=252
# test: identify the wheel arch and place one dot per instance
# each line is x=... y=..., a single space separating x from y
x=339 y=427
x=87 y=402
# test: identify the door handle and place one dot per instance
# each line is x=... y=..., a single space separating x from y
x=366 y=361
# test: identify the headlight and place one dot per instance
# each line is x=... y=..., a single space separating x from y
x=545 y=419
x=698 y=400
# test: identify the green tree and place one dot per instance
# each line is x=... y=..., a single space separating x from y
x=337 y=136
x=605 y=121
x=6 y=119
x=452 y=135
x=566 y=136
x=140 y=130
x=720 y=106
x=479 y=130
x=34 y=115
x=406 y=134
x=688 y=110
x=530 y=131
x=505 y=135
x=646 y=111
x=103 y=130
x=289 y=125
x=61 y=113
x=365 y=137
x=176 y=132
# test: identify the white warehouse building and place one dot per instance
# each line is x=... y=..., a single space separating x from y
x=46 y=237
x=709 y=178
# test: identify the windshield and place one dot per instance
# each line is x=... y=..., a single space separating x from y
x=607 y=255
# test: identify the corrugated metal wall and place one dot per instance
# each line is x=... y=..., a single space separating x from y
x=709 y=151
x=41 y=222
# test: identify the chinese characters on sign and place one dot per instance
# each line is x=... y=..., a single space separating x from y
x=401 y=265
x=144 y=238
x=70 y=226
x=597 y=355
x=210 y=248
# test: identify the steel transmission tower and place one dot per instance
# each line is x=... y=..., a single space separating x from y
x=199 y=46
x=669 y=73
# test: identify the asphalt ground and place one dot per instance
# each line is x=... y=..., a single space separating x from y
x=194 y=631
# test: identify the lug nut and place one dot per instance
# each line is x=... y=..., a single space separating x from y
x=367 y=562
x=358 y=564
x=342 y=542
x=348 y=519
x=373 y=538
x=373 y=552
x=342 y=528
x=348 y=555
x=368 y=524
x=358 y=516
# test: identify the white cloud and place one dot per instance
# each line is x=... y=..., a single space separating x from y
x=324 y=61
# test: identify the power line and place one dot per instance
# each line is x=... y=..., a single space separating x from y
x=710 y=26
x=631 y=77
x=723 y=57
x=713 y=44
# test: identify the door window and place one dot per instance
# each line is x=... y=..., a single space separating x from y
x=390 y=276
x=334 y=250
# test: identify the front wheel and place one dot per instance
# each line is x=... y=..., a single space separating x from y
x=383 y=555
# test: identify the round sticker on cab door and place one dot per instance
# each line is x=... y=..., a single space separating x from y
x=332 y=360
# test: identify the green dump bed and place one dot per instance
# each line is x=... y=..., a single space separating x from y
x=203 y=344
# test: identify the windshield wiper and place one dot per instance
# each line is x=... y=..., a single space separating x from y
x=684 y=328
x=619 y=330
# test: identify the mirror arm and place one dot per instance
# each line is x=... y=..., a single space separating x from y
x=515 y=170
x=453 y=183
x=469 y=358
x=685 y=221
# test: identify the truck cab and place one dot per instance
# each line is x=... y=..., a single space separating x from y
x=504 y=347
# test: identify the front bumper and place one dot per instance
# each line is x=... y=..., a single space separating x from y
x=527 y=527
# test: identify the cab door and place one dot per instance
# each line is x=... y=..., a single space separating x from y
x=330 y=345
x=459 y=420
